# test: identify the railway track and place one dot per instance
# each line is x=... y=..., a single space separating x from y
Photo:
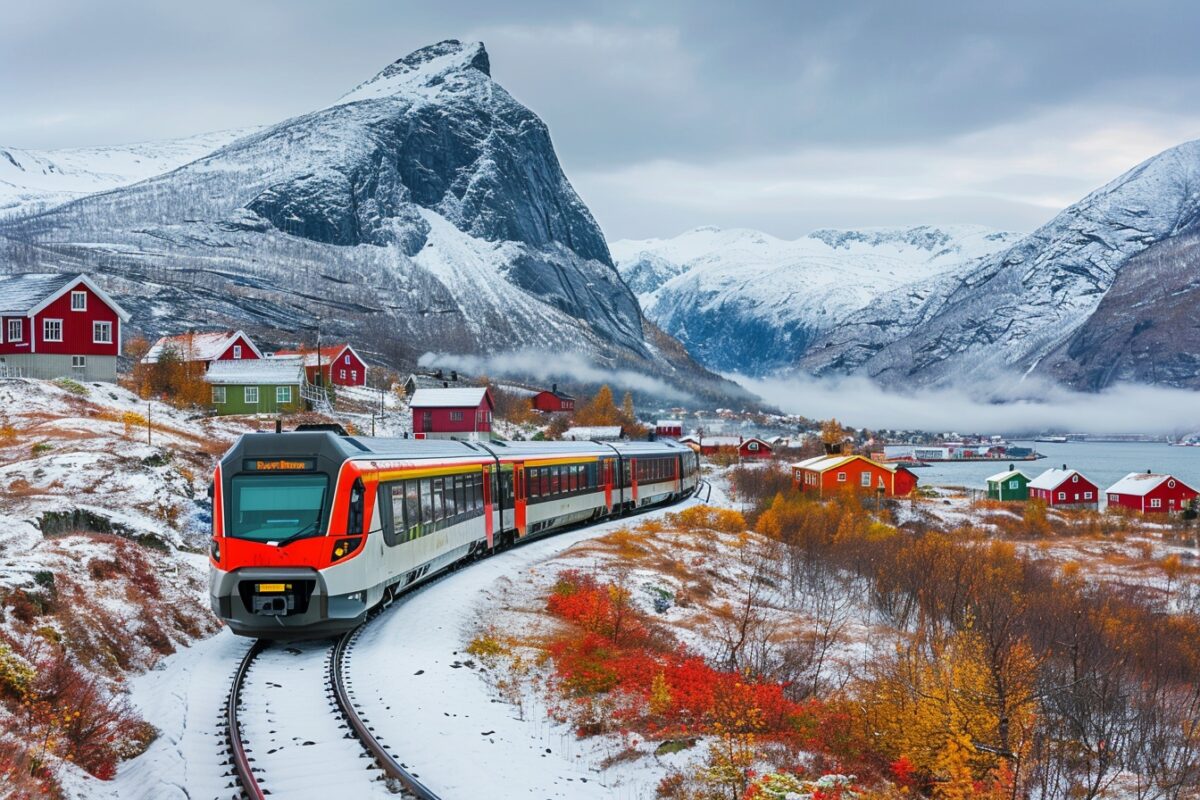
x=248 y=777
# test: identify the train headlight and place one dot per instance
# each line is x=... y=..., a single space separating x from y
x=344 y=547
x=214 y=549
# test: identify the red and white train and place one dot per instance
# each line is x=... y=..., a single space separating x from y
x=311 y=530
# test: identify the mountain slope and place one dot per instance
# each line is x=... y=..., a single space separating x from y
x=423 y=211
x=34 y=180
x=1012 y=310
x=746 y=301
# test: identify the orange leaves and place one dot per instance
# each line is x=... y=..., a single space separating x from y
x=723 y=520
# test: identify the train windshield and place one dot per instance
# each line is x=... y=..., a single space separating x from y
x=273 y=508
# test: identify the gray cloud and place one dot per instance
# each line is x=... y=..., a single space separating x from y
x=1009 y=406
x=545 y=366
x=627 y=87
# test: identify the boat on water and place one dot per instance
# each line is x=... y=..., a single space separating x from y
x=1052 y=439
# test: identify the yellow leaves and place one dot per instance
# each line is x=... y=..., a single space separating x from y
x=660 y=695
x=724 y=520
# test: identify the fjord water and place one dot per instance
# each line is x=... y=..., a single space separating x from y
x=1104 y=463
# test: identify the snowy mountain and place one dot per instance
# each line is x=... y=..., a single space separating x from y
x=35 y=180
x=1011 y=311
x=746 y=301
x=425 y=210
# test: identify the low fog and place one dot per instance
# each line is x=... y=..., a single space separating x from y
x=540 y=365
x=1016 y=407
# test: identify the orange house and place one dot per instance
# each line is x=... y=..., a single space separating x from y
x=824 y=474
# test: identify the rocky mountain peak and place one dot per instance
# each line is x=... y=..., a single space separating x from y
x=428 y=67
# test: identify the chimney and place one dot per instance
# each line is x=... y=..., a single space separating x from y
x=454 y=375
x=1011 y=467
x=1064 y=467
x=554 y=388
x=439 y=374
x=445 y=384
x=1148 y=472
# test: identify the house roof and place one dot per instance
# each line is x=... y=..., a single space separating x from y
x=262 y=371
x=328 y=354
x=1003 y=476
x=556 y=393
x=467 y=397
x=669 y=423
x=1053 y=478
x=1140 y=483
x=201 y=346
x=585 y=433
x=826 y=463
x=30 y=292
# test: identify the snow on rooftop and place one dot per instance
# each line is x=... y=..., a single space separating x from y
x=592 y=432
x=259 y=370
x=1003 y=476
x=327 y=354
x=1138 y=483
x=19 y=293
x=203 y=346
x=1053 y=478
x=469 y=397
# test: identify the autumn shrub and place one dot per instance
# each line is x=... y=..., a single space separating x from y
x=711 y=518
x=73 y=387
x=759 y=484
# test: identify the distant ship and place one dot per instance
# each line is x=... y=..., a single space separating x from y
x=1052 y=439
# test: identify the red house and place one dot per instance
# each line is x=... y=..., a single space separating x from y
x=339 y=364
x=56 y=325
x=452 y=413
x=553 y=401
x=834 y=473
x=751 y=447
x=1150 y=493
x=672 y=428
x=205 y=347
x=1064 y=488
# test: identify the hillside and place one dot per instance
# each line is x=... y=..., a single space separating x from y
x=425 y=210
x=742 y=300
x=1011 y=311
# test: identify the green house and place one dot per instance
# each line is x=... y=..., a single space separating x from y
x=1010 y=485
x=256 y=386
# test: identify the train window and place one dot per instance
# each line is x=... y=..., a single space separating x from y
x=533 y=482
x=451 y=498
x=427 y=507
x=555 y=483
x=460 y=494
x=575 y=477
x=412 y=508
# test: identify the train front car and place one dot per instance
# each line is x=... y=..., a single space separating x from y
x=289 y=519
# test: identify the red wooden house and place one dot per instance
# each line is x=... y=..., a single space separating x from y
x=205 y=347
x=1064 y=488
x=452 y=413
x=56 y=325
x=338 y=364
x=1150 y=493
x=834 y=473
x=751 y=447
x=671 y=428
x=553 y=401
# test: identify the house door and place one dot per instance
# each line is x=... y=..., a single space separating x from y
x=426 y=421
x=606 y=477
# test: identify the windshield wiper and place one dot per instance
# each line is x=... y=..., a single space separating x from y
x=303 y=533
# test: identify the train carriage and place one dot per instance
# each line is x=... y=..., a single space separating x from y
x=312 y=529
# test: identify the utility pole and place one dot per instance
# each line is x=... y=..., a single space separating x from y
x=149 y=404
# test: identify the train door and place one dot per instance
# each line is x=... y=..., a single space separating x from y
x=606 y=477
x=488 y=522
x=633 y=479
x=519 y=498
x=676 y=466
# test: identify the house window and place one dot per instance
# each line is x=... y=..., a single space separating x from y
x=218 y=394
x=78 y=362
x=79 y=301
x=1062 y=495
x=841 y=477
x=354 y=375
x=237 y=351
x=456 y=416
x=102 y=333
x=1171 y=484
x=346 y=361
x=1113 y=498
x=866 y=479
x=1087 y=495
x=250 y=394
x=1074 y=479
x=752 y=446
x=52 y=330
x=283 y=395
x=16 y=330
x=342 y=374
x=1012 y=484
x=1155 y=502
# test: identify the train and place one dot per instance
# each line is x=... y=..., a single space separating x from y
x=311 y=530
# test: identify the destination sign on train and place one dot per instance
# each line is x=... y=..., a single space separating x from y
x=279 y=464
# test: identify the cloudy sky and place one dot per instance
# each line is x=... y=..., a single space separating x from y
x=785 y=116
